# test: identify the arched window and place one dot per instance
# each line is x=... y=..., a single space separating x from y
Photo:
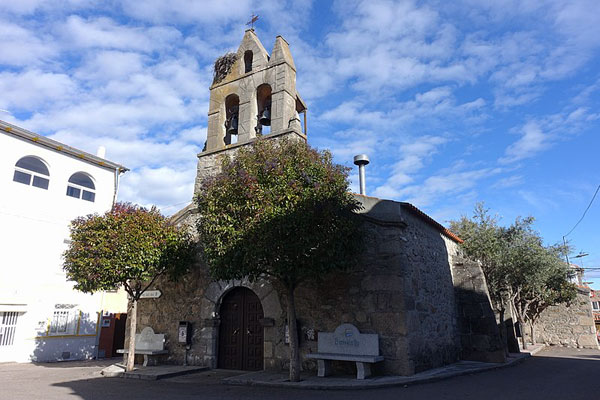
x=32 y=171
x=81 y=186
x=248 y=61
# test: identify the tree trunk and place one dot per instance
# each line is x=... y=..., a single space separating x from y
x=532 y=331
x=502 y=331
x=293 y=331
x=132 y=327
x=522 y=326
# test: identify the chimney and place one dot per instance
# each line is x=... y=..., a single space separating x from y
x=101 y=152
x=361 y=160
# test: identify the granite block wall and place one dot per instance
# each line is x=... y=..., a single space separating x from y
x=402 y=289
x=567 y=325
x=479 y=333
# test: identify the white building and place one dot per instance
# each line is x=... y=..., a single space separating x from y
x=44 y=185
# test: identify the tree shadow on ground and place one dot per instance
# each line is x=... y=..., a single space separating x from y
x=565 y=374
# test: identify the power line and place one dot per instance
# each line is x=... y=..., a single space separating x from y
x=586 y=210
x=174 y=205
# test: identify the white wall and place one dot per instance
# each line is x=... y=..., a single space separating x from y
x=33 y=232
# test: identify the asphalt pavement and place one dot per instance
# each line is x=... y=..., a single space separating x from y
x=554 y=373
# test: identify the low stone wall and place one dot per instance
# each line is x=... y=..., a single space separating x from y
x=571 y=326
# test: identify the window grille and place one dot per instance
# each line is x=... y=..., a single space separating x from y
x=8 y=326
x=64 y=322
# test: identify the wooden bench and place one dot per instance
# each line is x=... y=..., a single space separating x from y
x=346 y=343
x=148 y=344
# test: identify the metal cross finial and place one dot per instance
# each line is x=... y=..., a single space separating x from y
x=253 y=19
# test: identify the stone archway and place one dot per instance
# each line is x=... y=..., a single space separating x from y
x=210 y=309
x=241 y=337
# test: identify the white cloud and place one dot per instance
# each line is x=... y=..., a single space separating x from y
x=412 y=157
x=107 y=65
x=532 y=141
x=441 y=187
x=147 y=186
x=105 y=33
x=33 y=88
x=22 y=47
x=510 y=181
x=539 y=134
x=187 y=11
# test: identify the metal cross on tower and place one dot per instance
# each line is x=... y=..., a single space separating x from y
x=253 y=19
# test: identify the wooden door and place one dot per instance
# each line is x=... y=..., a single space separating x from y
x=119 y=338
x=240 y=332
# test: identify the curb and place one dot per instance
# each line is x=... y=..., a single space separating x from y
x=369 y=384
x=144 y=374
x=164 y=375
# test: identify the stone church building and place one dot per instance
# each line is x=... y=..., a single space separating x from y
x=429 y=305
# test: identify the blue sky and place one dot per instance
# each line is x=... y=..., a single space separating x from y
x=454 y=102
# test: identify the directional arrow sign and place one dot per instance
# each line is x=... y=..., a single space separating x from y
x=151 y=294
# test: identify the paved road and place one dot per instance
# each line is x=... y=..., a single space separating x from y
x=555 y=373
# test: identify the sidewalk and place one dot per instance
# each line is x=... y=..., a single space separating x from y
x=311 y=381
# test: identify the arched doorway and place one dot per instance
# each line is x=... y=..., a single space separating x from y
x=241 y=333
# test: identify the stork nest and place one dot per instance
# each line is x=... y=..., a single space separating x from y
x=223 y=66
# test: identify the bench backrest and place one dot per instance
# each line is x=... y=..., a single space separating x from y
x=346 y=339
x=148 y=340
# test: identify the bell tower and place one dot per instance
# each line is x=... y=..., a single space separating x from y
x=253 y=94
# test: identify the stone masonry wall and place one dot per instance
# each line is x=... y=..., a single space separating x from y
x=401 y=290
x=479 y=333
x=429 y=295
x=571 y=326
x=209 y=161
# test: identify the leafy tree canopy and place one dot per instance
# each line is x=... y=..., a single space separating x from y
x=278 y=210
x=517 y=266
x=127 y=246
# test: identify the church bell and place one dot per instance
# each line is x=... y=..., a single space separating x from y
x=265 y=118
x=232 y=129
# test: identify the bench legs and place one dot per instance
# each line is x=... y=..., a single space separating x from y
x=150 y=360
x=363 y=370
x=324 y=368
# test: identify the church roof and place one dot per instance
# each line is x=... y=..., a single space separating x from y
x=389 y=212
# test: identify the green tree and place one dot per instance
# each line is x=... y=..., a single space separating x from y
x=279 y=211
x=129 y=247
x=518 y=267
x=484 y=241
x=537 y=276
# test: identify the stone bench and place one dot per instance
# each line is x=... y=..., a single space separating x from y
x=148 y=344
x=346 y=343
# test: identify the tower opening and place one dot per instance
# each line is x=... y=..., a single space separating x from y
x=232 y=118
x=248 y=61
x=263 y=99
